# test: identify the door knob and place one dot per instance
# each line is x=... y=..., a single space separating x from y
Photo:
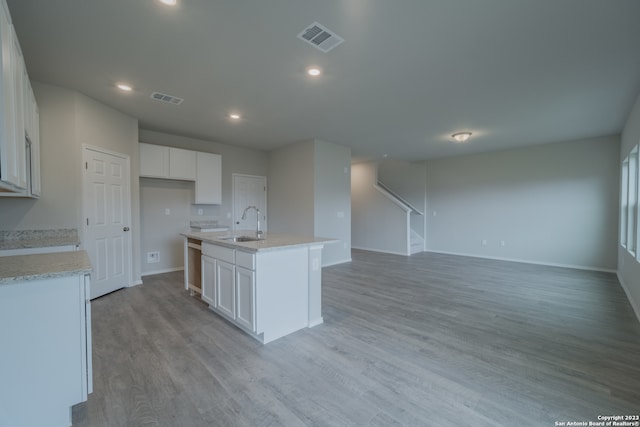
x=126 y=229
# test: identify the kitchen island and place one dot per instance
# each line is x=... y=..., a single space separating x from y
x=269 y=287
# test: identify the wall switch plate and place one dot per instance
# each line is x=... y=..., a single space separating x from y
x=153 y=257
x=484 y=242
x=340 y=214
x=167 y=211
x=503 y=243
x=200 y=211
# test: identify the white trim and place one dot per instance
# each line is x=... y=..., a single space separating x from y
x=634 y=306
x=379 y=250
x=164 y=270
x=316 y=322
x=526 y=261
x=344 y=261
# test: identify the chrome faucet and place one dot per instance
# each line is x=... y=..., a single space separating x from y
x=244 y=216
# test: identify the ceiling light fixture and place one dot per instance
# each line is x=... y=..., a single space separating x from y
x=169 y=2
x=124 y=87
x=234 y=116
x=461 y=136
x=314 y=71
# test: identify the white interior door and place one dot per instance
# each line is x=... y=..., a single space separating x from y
x=107 y=213
x=249 y=190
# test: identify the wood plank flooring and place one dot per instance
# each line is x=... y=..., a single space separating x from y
x=426 y=340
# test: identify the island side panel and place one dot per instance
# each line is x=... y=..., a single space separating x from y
x=282 y=292
x=315 y=286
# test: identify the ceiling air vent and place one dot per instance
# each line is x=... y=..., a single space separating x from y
x=320 y=37
x=166 y=98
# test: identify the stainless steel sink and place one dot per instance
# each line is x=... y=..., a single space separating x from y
x=241 y=239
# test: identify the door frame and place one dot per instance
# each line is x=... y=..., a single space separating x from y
x=86 y=210
x=233 y=199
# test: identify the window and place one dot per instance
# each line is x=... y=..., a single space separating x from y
x=629 y=198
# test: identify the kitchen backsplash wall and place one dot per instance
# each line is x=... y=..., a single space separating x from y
x=160 y=232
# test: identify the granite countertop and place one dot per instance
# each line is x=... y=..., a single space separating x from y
x=20 y=268
x=21 y=239
x=271 y=241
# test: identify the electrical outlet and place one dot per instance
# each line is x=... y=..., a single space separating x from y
x=153 y=257
x=167 y=211
x=503 y=243
x=484 y=242
x=200 y=211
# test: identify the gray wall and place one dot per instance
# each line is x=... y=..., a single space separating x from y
x=68 y=120
x=309 y=194
x=409 y=181
x=291 y=189
x=550 y=204
x=628 y=267
x=160 y=232
x=378 y=224
x=332 y=200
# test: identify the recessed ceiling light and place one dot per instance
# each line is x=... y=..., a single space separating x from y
x=314 y=71
x=461 y=136
x=169 y=2
x=124 y=87
x=234 y=116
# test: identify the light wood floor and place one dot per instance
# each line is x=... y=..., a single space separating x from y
x=427 y=340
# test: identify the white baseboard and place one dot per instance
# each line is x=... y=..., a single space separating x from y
x=380 y=250
x=316 y=322
x=526 y=261
x=165 y=270
x=344 y=261
x=634 y=304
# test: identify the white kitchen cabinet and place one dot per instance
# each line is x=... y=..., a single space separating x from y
x=154 y=161
x=226 y=292
x=10 y=167
x=245 y=298
x=208 y=276
x=208 y=179
x=157 y=161
x=182 y=164
x=45 y=330
x=19 y=165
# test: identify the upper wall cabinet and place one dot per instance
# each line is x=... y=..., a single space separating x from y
x=19 y=122
x=157 y=161
x=208 y=178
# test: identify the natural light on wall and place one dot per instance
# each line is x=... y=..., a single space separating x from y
x=630 y=195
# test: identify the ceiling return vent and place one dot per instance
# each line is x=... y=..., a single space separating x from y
x=166 y=98
x=320 y=37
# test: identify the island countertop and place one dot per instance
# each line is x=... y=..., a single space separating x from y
x=270 y=242
x=18 y=268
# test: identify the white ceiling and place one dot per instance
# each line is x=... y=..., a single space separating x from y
x=409 y=74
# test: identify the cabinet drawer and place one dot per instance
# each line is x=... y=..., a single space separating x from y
x=219 y=252
x=246 y=260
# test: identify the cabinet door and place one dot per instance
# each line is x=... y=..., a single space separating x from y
x=36 y=188
x=182 y=164
x=225 y=292
x=245 y=298
x=209 y=280
x=20 y=135
x=208 y=179
x=154 y=161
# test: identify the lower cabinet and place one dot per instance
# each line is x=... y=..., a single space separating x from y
x=245 y=298
x=226 y=292
x=45 y=331
x=208 y=277
x=228 y=285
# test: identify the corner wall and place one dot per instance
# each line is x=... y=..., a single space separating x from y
x=628 y=267
x=309 y=194
x=551 y=204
